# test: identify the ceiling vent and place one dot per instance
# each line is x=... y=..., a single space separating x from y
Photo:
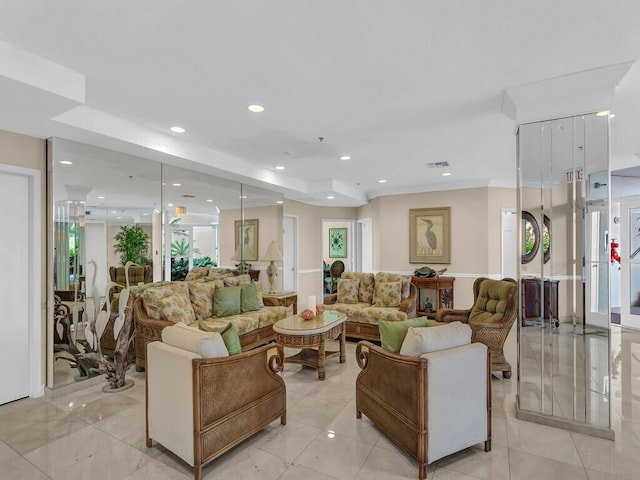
x=188 y=196
x=438 y=164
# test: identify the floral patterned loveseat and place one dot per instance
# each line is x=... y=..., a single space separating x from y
x=161 y=304
x=367 y=298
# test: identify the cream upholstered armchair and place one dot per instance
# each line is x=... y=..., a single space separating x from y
x=491 y=317
x=199 y=408
x=431 y=405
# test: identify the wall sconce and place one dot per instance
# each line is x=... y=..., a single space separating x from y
x=181 y=210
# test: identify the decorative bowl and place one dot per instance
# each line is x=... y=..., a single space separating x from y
x=307 y=314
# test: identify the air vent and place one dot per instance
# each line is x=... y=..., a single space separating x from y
x=87 y=213
x=438 y=164
x=188 y=196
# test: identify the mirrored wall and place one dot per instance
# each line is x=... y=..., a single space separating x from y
x=563 y=340
x=108 y=208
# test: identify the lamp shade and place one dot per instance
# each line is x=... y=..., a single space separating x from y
x=273 y=253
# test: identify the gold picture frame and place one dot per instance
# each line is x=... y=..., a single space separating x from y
x=430 y=235
x=247 y=230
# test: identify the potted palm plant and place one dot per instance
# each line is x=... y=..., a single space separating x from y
x=132 y=243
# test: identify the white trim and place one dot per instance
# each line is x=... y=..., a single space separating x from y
x=36 y=385
x=310 y=270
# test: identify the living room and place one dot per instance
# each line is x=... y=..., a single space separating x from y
x=381 y=183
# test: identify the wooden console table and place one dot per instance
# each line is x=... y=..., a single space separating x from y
x=284 y=299
x=443 y=298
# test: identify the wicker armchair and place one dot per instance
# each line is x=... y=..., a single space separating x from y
x=430 y=406
x=199 y=408
x=491 y=317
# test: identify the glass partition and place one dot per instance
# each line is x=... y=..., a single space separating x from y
x=563 y=340
x=109 y=208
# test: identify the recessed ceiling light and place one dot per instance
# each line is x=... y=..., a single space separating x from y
x=82 y=202
x=169 y=204
x=113 y=211
x=613 y=115
x=279 y=202
x=243 y=196
x=178 y=130
x=209 y=200
x=256 y=108
x=145 y=214
x=119 y=218
x=177 y=184
x=446 y=174
x=382 y=181
x=279 y=167
x=345 y=157
x=101 y=198
x=330 y=197
x=66 y=162
x=603 y=113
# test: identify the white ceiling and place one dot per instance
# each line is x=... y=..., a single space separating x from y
x=395 y=84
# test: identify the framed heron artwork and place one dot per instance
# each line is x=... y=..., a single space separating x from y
x=430 y=235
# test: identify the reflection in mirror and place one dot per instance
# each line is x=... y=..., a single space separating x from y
x=563 y=340
x=97 y=195
x=531 y=237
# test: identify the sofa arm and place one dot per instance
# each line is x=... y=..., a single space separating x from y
x=452 y=315
x=331 y=299
x=409 y=304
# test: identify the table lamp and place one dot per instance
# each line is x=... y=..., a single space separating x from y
x=273 y=255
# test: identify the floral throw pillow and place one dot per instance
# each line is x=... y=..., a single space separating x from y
x=236 y=281
x=176 y=309
x=348 y=290
x=387 y=294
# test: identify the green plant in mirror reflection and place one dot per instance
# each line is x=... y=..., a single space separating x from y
x=132 y=243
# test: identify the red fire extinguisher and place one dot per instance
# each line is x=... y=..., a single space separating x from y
x=615 y=256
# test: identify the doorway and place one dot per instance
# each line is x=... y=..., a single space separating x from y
x=20 y=284
x=509 y=243
x=290 y=253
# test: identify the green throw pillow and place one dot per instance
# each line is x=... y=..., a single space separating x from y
x=226 y=301
x=229 y=335
x=392 y=333
x=249 y=298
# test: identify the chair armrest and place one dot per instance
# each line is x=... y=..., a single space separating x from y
x=452 y=315
x=270 y=301
x=409 y=304
x=331 y=299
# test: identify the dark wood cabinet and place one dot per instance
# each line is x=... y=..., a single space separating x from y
x=442 y=296
x=532 y=301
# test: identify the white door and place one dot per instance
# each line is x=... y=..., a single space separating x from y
x=597 y=267
x=15 y=286
x=509 y=243
x=364 y=261
x=290 y=254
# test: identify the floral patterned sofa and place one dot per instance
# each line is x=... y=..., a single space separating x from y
x=161 y=304
x=367 y=298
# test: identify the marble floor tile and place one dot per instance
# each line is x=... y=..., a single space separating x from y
x=341 y=458
x=7 y=453
x=525 y=466
x=20 y=469
x=80 y=432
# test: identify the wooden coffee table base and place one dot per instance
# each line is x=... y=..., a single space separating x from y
x=314 y=357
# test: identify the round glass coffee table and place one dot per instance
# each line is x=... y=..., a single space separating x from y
x=296 y=332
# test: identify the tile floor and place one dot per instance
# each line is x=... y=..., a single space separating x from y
x=81 y=433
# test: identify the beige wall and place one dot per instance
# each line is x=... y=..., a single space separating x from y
x=269 y=229
x=310 y=242
x=28 y=152
x=475 y=235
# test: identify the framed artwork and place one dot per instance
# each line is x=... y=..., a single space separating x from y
x=247 y=234
x=337 y=243
x=430 y=235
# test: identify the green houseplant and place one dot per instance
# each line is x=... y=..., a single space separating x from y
x=132 y=243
